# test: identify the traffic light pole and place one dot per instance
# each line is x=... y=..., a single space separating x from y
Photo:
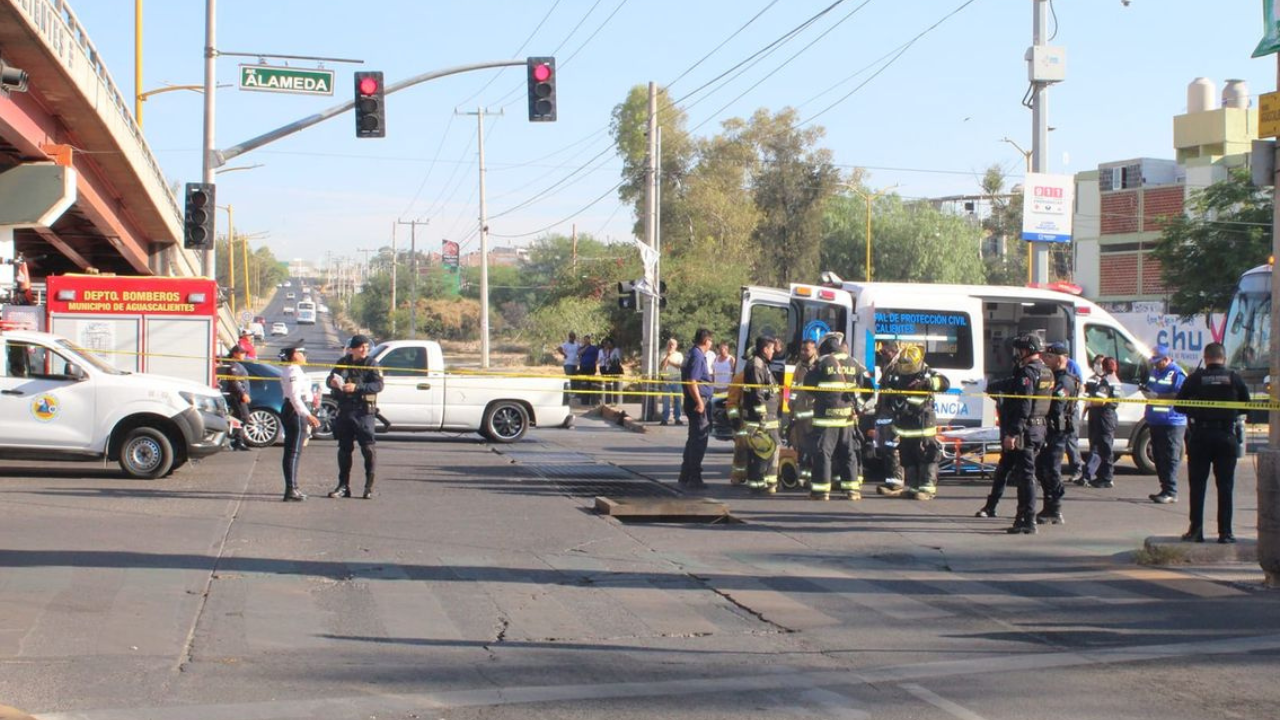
x=209 y=164
x=649 y=335
x=1039 y=251
x=218 y=158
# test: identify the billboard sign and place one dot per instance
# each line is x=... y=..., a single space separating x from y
x=1047 y=203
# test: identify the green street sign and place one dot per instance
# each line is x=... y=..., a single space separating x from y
x=266 y=78
x=1270 y=42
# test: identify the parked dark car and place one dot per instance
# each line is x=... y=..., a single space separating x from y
x=266 y=400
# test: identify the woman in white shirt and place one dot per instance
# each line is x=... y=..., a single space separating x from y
x=295 y=417
x=669 y=369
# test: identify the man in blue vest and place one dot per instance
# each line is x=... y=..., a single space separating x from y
x=1168 y=427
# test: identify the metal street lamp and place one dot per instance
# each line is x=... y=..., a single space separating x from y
x=869 y=198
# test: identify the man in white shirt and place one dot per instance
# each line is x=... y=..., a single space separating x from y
x=669 y=368
x=569 y=351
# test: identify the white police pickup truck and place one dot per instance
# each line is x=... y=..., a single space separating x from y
x=59 y=402
x=420 y=395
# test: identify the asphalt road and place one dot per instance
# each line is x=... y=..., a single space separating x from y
x=480 y=584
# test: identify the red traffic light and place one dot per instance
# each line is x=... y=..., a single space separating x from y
x=368 y=86
x=542 y=72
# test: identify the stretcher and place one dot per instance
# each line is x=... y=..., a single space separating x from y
x=969 y=451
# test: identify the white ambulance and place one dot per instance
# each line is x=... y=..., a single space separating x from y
x=61 y=402
x=965 y=331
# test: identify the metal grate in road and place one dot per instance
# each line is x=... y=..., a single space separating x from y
x=578 y=475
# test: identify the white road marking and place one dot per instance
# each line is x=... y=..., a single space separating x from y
x=941 y=703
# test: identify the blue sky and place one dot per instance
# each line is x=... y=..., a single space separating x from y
x=930 y=122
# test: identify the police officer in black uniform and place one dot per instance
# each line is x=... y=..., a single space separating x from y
x=1060 y=424
x=1214 y=437
x=233 y=380
x=355 y=383
x=1022 y=425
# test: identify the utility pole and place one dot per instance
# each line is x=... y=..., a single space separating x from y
x=395 y=261
x=1039 y=129
x=484 y=246
x=208 y=258
x=1269 y=457
x=413 y=269
x=650 y=304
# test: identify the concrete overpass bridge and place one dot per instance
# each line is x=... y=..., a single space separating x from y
x=125 y=219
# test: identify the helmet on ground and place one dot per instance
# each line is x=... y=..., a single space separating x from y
x=1028 y=342
x=831 y=343
x=762 y=444
x=910 y=360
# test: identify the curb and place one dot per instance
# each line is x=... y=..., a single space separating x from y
x=619 y=417
x=1172 y=550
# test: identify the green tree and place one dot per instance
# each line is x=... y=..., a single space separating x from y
x=910 y=241
x=792 y=181
x=1225 y=231
x=630 y=129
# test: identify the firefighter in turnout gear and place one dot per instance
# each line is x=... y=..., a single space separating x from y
x=733 y=410
x=886 y=442
x=833 y=442
x=801 y=406
x=760 y=402
x=1028 y=391
x=908 y=395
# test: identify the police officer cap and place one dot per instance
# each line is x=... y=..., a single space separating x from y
x=1057 y=348
x=1029 y=342
x=286 y=354
x=358 y=340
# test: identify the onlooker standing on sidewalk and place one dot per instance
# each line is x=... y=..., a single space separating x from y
x=723 y=366
x=295 y=416
x=588 y=357
x=611 y=368
x=569 y=351
x=696 y=377
x=1213 y=438
x=1168 y=427
x=669 y=369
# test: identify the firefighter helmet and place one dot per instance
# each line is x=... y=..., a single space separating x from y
x=762 y=444
x=910 y=360
x=831 y=343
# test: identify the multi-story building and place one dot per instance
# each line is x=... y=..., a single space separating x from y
x=1122 y=207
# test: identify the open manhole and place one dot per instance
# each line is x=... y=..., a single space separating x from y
x=670 y=509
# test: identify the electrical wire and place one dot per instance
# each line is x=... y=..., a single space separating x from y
x=519 y=50
x=716 y=49
x=430 y=167
x=887 y=65
x=786 y=62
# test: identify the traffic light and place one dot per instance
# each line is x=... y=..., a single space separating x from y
x=371 y=116
x=198 y=229
x=542 y=89
x=12 y=79
x=627 y=299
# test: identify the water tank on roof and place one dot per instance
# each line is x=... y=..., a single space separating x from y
x=1236 y=94
x=1201 y=95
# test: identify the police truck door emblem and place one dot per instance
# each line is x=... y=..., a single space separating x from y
x=45 y=408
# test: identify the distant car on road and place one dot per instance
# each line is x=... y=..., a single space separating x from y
x=279 y=329
x=290 y=296
x=288 y=309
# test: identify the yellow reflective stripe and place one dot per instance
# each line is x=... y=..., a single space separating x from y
x=926 y=432
x=839 y=412
x=803 y=414
x=834 y=422
x=770 y=425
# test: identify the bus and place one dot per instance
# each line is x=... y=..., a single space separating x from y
x=1247 y=336
x=306 y=312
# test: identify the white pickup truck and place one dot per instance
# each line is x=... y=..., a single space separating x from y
x=59 y=402
x=420 y=395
